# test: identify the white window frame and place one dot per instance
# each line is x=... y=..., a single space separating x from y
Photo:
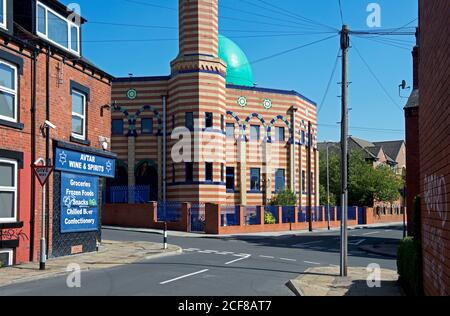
x=70 y=24
x=11 y=91
x=83 y=117
x=10 y=189
x=5 y=13
x=11 y=255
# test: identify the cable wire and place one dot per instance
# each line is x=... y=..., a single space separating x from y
x=329 y=82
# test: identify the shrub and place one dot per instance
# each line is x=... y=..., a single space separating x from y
x=269 y=218
x=284 y=198
x=408 y=266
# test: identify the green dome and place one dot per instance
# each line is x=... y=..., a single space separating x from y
x=239 y=70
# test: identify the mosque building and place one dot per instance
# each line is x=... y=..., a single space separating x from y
x=206 y=133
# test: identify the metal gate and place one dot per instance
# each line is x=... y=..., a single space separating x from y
x=197 y=218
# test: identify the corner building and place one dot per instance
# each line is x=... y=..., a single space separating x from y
x=247 y=143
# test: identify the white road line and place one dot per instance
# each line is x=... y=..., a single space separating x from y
x=191 y=249
x=267 y=257
x=224 y=253
x=312 y=262
x=287 y=259
x=242 y=255
x=357 y=243
x=208 y=251
x=183 y=276
x=371 y=233
x=236 y=260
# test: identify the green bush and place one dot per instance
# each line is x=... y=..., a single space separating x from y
x=269 y=219
x=284 y=198
x=408 y=266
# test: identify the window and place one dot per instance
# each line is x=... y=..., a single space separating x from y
x=255 y=179
x=254 y=132
x=189 y=120
x=3 y=11
x=6 y=257
x=147 y=126
x=230 y=178
x=222 y=123
x=230 y=130
x=208 y=120
x=8 y=91
x=222 y=173
x=117 y=127
x=208 y=171
x=279 y=180
x=78 y=115
x=303 y=181
x=279 y=134
x=189 y=171
x=57 y=29
x=303 y=138
x=8 y=190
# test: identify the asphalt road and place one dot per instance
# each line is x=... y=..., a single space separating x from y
x=237 y=266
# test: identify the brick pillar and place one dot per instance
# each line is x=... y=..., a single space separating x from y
x=185 y=214
x=280 y=215
x=368 y=215
x=131 y=165
x=261 y=215
x=241 y=216
x=212 y=218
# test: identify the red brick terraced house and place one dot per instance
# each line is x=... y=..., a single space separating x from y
x=250 y=142
x=44 y=77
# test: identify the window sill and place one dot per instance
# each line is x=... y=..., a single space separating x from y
x=14 y=125
x=11 y=224
x=80 y=141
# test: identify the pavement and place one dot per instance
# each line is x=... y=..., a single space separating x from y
x=325 y=281
x=240 y=265
x=110 y=254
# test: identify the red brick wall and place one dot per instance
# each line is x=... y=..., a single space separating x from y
x=412 y=161
x=434 y=119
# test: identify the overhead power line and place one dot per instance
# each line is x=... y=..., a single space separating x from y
x=333 y=71
x=340 y=11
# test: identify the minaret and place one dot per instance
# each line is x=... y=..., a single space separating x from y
x=198 y=85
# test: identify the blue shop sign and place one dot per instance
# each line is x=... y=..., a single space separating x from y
x=79 y=203
x=79 y=162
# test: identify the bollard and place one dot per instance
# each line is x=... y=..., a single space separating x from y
x=165 y=236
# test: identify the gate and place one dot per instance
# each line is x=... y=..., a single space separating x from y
x=197 y=218
x=361 y=215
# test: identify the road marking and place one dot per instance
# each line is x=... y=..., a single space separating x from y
x=236 y=260
x=312 y=262
x=184 y=276
x=388 y=230
x=191 y=249
x=268 y=257
x=208 y=251
x=371 y=233
x=224 y=253
x=357 y=243
x=287 y=259
x=242 y=255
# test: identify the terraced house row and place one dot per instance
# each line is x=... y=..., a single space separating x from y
x=226 y=141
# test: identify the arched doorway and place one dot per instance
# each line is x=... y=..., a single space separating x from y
x=146 y=177
x=116 y=190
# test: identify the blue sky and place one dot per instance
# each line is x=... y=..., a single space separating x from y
x=263 y=31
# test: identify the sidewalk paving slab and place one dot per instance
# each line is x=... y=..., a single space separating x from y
x=109 y=255
x=325 y=281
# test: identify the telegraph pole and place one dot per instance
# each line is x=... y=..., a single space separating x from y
x=345 y=43
x=328 y=190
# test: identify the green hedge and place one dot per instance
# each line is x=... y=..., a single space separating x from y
x=408 y=266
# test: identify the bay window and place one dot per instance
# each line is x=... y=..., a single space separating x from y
x=57 y=29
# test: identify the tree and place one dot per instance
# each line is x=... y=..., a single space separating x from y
x=284 y=198
x=324 y=196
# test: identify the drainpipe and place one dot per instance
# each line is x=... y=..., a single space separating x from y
x=164 y=167
x=33 y=155
x=309 y=179
x=47 y=141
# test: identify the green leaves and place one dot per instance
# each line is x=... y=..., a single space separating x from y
x=284 y=198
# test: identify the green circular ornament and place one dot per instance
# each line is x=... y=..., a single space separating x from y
x=267 y=103
x=132 y=94
x=242 y=101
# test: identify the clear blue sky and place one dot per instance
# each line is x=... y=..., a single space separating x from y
x=262 y=31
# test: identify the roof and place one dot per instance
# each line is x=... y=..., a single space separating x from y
x=391 y=148
x=62 y=8
x=413 y=100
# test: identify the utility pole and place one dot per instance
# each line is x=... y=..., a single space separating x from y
x=345 y=43
x=328 y=190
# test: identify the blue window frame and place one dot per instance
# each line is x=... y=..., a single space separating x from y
x=255 y=179
x=279 y=180
x=208 y=171
x=303 y=138
x=189 y=171
x=147 y=126
x=208 y=120
x=254 y=132
x=230 y=178
x=303 y=181
x=230 y=130
x=279 y=134
x=189 y=120
x=117 y=127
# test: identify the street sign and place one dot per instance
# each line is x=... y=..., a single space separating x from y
x=42 y=173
